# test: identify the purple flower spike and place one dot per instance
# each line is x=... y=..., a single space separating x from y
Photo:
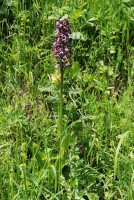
x=62 y=44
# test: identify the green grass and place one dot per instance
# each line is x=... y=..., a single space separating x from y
x=97 y=144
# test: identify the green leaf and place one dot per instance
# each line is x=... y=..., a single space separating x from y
x=65 y=142
x=122 y=137
x=92 y=196
x=53 y=17
x=78 y=36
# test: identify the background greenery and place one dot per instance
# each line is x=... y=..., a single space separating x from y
x=98 y=133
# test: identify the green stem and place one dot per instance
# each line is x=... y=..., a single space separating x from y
x=61 y=102
x=60 y=126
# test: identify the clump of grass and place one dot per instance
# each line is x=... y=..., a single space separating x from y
x=97 y=156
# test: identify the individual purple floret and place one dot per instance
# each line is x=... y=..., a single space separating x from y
x=62 y=44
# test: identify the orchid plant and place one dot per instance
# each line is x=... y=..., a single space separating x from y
x=63 y=58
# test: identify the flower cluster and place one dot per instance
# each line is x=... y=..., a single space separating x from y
x=62 y=43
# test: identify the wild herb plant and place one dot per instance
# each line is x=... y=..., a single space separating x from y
x=63 y=56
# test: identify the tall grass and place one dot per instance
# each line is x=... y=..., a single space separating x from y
x=98 y=138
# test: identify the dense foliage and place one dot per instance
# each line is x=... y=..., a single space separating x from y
x=98 y=117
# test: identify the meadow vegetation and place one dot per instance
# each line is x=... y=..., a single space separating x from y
x=97 y=144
